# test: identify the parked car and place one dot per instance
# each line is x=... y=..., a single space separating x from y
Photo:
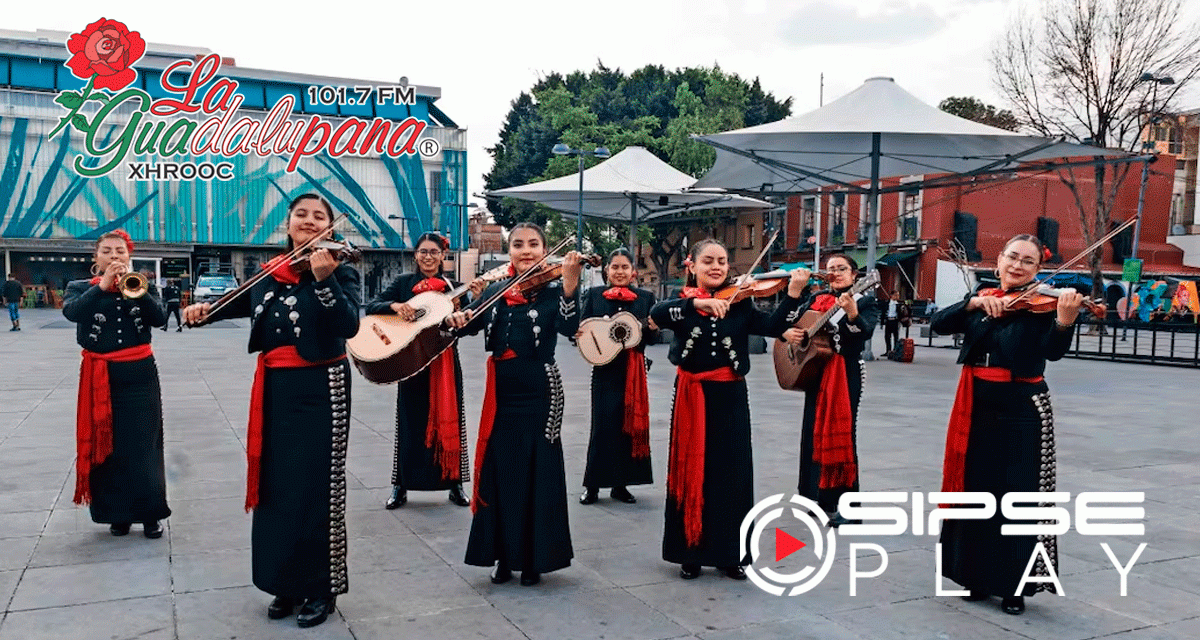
x=211 y=288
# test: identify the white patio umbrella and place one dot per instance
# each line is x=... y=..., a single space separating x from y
x=632 y=185
x=878 y=130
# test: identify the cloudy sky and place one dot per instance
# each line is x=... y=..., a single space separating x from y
x=483 y=53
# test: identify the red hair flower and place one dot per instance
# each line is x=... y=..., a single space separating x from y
x=1046 y=254
x=124 y=236
x=106 y=49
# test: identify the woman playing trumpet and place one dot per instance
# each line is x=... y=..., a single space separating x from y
x=299 y=419
x=119 y=432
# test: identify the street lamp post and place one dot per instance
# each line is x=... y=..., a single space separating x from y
x=562 y=149
x=1137 y=226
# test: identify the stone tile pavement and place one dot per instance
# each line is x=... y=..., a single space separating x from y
x=1119 y=427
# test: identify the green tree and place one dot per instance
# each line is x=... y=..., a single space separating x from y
x=651 y=107
x=981 y=112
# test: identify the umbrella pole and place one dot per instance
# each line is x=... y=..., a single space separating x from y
x=632 y=222
x=872 y=220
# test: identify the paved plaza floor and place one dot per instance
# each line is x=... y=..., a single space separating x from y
x=1120 y=427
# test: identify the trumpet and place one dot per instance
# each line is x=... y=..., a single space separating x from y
x=132 y=285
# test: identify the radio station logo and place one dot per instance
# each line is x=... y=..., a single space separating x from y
x=202 y=117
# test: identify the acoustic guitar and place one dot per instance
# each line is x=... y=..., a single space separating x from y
x=799 y=366
x=388 y=349
x=601 y=340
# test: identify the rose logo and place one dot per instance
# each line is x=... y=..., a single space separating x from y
x=105 y=51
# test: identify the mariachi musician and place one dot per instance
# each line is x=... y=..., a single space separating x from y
x=520 y=506
x=829 y=431
x=430 y=451
x=1001 y=432
x=710 y=473
x=120 y=470
x=302 y=311
x=618 y=452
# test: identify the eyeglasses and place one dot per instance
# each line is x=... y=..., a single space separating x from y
x=838 y=269
x=1025 y=262
x=429 y=252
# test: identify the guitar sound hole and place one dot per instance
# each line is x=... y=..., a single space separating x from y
x=619 y=333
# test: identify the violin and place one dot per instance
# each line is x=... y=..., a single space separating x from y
x=543 y=274
x=1040 y=299
x=341 y=250
x=763 y=285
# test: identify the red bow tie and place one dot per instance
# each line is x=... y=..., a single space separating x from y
x=624 y=294
x=429 y=284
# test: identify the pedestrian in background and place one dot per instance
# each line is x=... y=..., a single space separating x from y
x=13 y=292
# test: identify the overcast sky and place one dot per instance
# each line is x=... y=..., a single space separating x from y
x=483 y=54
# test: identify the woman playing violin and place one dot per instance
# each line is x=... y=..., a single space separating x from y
x=710 y=473
x=520 y=504
x=119 y=470
x=829 y=432
x=431 y=429
x=299 y=418
x=618 y=452
x=1001 y=433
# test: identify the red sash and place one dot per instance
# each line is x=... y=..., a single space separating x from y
x=685 y=469
x=93 y=413
x=959 y=431
x=637 y=405
x=833 y=442
x=279 y=358
x=486 y=418
x=441 y=432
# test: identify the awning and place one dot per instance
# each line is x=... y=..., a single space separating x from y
x=790 y=266
x=894 y=258
x=860 y=255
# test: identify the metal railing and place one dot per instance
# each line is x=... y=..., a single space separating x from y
x=1161 y=343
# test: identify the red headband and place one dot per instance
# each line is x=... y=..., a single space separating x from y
x=120 y=233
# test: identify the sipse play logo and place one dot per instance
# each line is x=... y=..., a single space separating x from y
x=883 y=513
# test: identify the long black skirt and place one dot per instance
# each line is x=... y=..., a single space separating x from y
x=413 y=464
x=298 y=538
x=610 y=461
x=522 y=514
x=131 y=484
x=728 y=481
x=810 y=469
x=1011 y=448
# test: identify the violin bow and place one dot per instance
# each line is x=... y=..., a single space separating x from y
x=1092 y=247
x=748 y=276
x=521 y=278
x=256 y=278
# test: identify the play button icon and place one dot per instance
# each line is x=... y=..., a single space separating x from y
x=785 y=544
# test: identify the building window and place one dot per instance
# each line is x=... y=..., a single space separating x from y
x=748 y=238
x=837 y=218
x=808 y=214
x=908 y=224
x=862 y=217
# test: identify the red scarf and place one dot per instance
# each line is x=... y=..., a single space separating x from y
x=958 y=434
x=430 y=284
x=441 y=431
x=96 y=280
x=833 y=444
x=624 y=294
x=696 y=292
x=279 y=358
x=637 y=405
x=93 y=413
x=486 y=419
x=685 y=468
x=282 y=270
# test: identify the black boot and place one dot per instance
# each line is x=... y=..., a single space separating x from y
x=622 y=494
x=398 y=498
x=152 y=530
x=501 y=573
x=735 y=572
x=530 y=578
x=458 y=497
x=590 y=496
x=119 y=528
x=689 y=571
x=280 y=608
x=976 y=595
x=1014 y=605
x=315 y=611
